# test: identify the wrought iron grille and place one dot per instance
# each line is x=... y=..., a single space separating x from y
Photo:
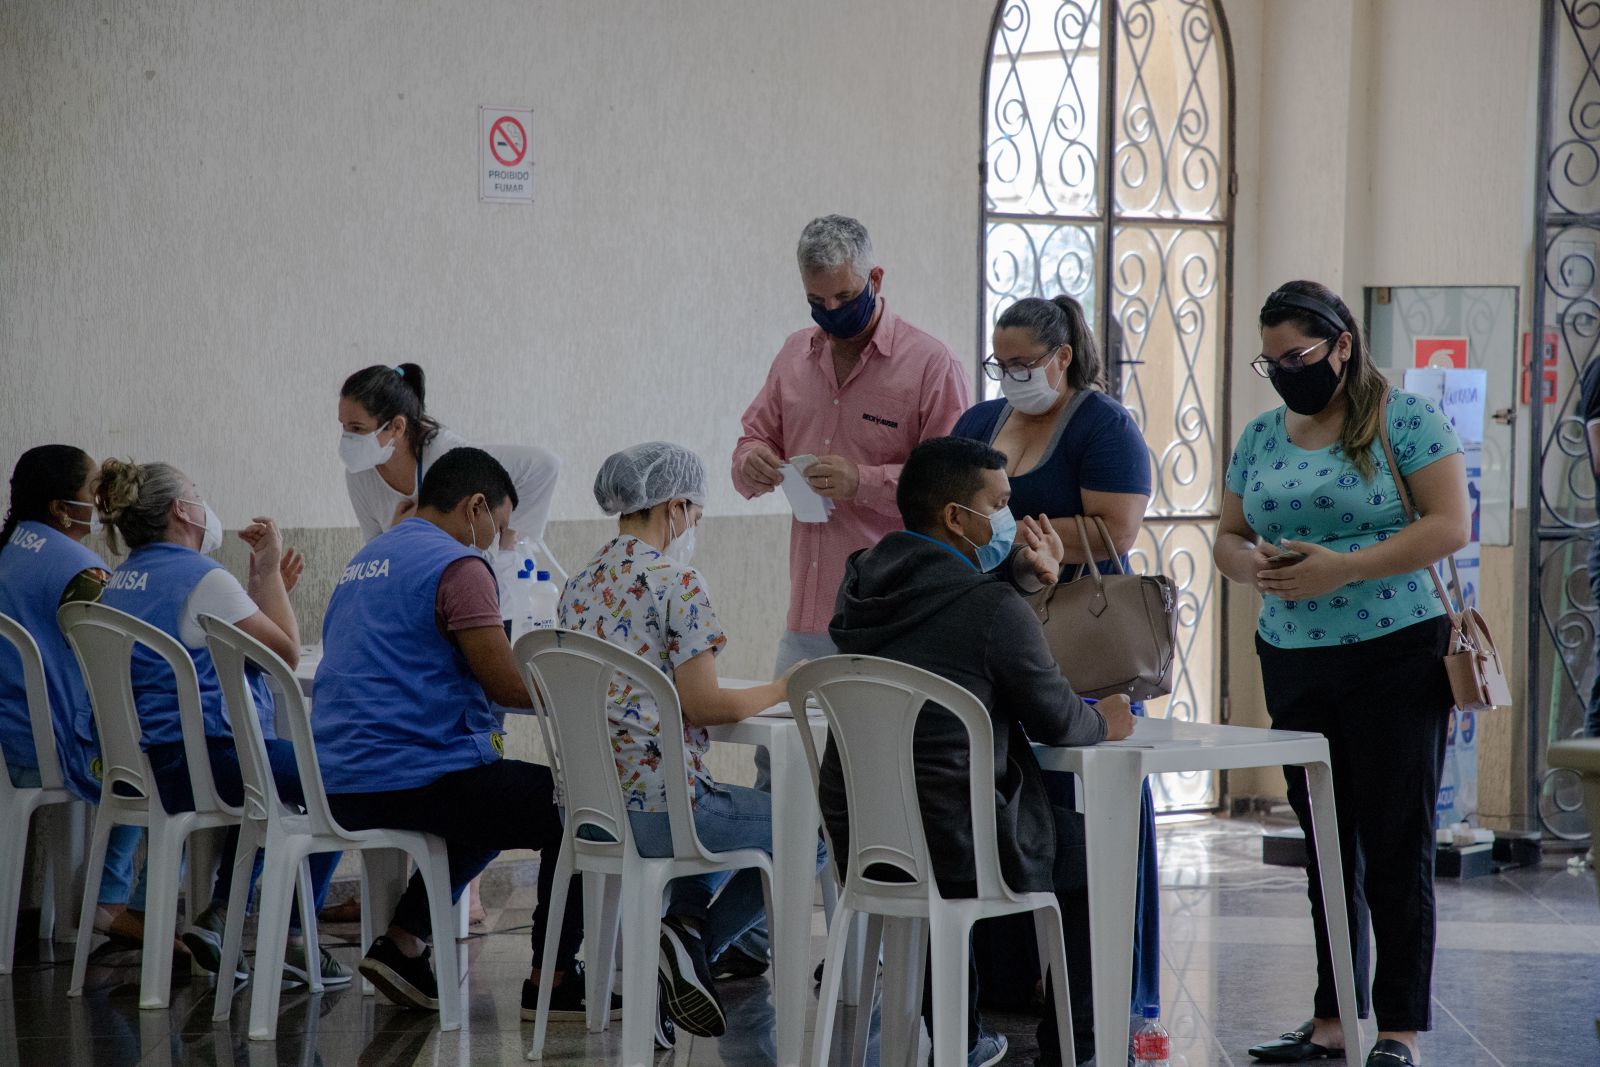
x=1107 y=175
x=1561 y=505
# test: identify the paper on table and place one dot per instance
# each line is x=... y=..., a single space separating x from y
x=807 y=505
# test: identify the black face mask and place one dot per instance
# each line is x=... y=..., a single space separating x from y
x=1308 y=390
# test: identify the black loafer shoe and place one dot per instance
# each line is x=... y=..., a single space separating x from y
x=1388 y=1053
x=1295 y=1046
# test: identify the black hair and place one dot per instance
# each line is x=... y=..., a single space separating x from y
x=460 y=473
x=940 y=471
x=386 y=391
x=43 y=475
x=1317 y=311
x=1054 y=323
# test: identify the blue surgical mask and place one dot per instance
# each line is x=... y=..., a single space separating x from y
x=847 y=320
x=1002 y=535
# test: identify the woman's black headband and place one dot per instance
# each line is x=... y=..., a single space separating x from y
x=1300 y=302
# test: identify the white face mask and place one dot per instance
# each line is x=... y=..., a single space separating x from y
x=362 y=451
x=1034 y=396
x=680 y=546
x=488 y=550
x=212 y=539
x=93 y=521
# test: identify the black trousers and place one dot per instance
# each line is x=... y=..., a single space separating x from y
x=1384 y=706
x=1070 y=880
x=479 y=811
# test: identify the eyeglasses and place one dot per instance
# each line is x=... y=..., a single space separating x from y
x=995 y=370
x=1292 y=362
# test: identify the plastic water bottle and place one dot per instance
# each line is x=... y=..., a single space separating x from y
x=508 y=567
x=543 y=598
x=1151 y=1045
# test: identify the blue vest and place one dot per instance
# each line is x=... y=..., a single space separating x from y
x=35 y=567
x=395 y=705
x=154 y=586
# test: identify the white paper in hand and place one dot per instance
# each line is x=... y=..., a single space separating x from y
x=807 y=505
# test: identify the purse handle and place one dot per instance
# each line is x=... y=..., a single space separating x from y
x=1411 y=516
x=1098 y=602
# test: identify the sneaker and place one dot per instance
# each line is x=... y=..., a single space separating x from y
x=202 y=942
x=568 y=1001
x=684 y=981
x=990 y=1048
x=666 y=1033
x=203 y=938
x=334 y=973
x=735 y=963
x=406 y=980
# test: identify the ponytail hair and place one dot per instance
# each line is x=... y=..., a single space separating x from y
x=1317 y=311
x=42 y=475
x=136 y=499
x=1054 y=323
x=386 y=391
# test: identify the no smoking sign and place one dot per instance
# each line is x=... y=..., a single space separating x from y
x=505 y=169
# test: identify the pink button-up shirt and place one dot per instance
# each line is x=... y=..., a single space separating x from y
x=906 y=388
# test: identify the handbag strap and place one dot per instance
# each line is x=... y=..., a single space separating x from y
x=1411 y=516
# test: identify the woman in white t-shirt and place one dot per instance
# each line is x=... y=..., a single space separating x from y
x=390 y=441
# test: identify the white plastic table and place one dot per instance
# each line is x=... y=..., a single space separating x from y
x=1112 y=775
x=795 y=822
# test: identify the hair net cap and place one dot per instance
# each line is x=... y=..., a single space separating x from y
x=645 y=475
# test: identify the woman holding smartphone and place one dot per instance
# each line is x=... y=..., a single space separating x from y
x=1352 y=637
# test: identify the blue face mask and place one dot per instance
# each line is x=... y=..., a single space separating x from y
x=1002 y=535
x=847 y=320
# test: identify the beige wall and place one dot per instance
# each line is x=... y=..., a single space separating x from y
x=216 y=211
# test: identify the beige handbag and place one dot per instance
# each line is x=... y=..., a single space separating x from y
x=1477 y=674
x=1111 y=633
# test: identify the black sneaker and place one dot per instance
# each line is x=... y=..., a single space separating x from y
x=568 y=1001
x=684 y=981
x=735 y=963
x=406 y=980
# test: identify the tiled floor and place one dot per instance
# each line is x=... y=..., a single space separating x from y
x=1517 y=984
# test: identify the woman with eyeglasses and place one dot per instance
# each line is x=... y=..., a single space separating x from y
x=1071 y=449
x=1352 y=637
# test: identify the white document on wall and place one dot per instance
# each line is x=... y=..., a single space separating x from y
x=808 y=505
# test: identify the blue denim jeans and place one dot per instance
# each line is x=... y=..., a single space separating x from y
x=124 y=841
x=171 y=768
x=726 y=817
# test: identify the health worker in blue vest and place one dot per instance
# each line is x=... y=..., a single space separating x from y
x=43 y=565
x=169 y=580
x=413 y=652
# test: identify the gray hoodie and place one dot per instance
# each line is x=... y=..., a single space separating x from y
x=919 y=602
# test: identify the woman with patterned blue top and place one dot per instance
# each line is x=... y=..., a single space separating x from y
x=1071 y=449
x=1352 y=636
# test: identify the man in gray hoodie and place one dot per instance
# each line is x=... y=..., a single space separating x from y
x=946 y=594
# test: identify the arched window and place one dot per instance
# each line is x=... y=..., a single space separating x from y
x=1108 y=175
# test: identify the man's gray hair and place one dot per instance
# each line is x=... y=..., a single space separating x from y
x=834 y=241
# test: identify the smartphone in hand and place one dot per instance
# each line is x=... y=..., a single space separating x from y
x=1285 y=556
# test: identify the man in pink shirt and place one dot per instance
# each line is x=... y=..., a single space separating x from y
x=859 y=391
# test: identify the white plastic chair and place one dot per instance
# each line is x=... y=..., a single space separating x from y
x=269 y=824
x=104 y=639
x=18 y=805
x=872 y=707
x=290 y=837
x=568 y=674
